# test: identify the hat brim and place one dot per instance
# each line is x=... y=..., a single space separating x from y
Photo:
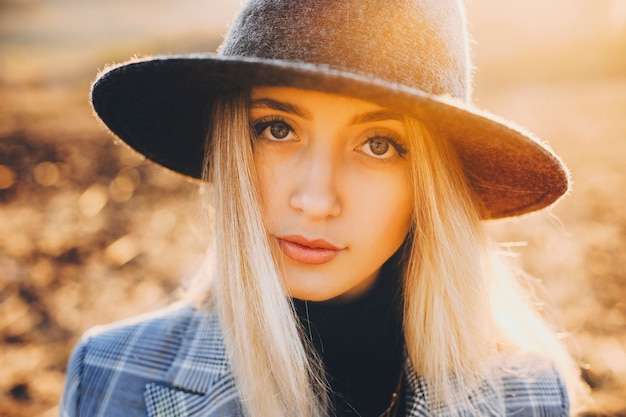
x=159 y=107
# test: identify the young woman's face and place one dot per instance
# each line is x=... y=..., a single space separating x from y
x=335 y=187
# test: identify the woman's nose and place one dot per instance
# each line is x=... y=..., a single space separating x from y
x=315 y=193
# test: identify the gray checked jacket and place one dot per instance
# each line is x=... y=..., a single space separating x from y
x=172 y=363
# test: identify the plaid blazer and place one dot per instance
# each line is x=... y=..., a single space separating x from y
x=172 y=363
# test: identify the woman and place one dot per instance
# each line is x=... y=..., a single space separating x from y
x=349 y=273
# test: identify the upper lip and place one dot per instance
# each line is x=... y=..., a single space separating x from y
x=313 y=244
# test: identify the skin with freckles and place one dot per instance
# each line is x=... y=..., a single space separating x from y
x=334 y=180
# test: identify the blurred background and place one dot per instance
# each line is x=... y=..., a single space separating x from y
x=90 y=233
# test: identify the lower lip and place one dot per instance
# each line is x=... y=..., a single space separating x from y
x=305 y=254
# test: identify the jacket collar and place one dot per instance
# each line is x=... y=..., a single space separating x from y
x=201 y=360
x=416 y=393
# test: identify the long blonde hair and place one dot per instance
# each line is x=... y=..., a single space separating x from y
x=455 y=322
x=465 y=308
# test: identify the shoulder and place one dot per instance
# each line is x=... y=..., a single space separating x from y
x=164 y=328
x=151 y=342
x=115 y=363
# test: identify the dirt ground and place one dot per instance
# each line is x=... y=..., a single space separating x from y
x=91 y=233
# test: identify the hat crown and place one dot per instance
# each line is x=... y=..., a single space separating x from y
x=417 y=43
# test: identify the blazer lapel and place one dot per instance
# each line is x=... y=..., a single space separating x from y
x=416 y=392
x=419 y=402
x=199 y=381
x=164 y=401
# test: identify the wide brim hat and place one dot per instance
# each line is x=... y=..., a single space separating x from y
x=410 y=56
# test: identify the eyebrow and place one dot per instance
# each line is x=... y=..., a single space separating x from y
x=268 y=103
x=368 y=117
x=377 y=116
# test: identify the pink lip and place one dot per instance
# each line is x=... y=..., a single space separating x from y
x=313 y=252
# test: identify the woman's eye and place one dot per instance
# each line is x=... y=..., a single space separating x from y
x=273 y=130
x=378 y=146
x=381 y=147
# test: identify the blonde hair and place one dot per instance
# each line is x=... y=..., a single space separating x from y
x=455 y=322
x=271 y=364
x=465 y=309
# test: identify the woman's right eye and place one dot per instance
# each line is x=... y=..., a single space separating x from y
x=276 y=130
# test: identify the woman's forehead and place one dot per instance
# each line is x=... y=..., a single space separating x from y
x=303 y=103
x=291 y=94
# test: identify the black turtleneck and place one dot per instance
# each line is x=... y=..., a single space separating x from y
x=361 y=344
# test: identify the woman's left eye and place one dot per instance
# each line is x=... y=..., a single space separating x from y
x=381 y=147
x=276 y=130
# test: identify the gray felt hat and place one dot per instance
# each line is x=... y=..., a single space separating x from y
x=408 y=55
